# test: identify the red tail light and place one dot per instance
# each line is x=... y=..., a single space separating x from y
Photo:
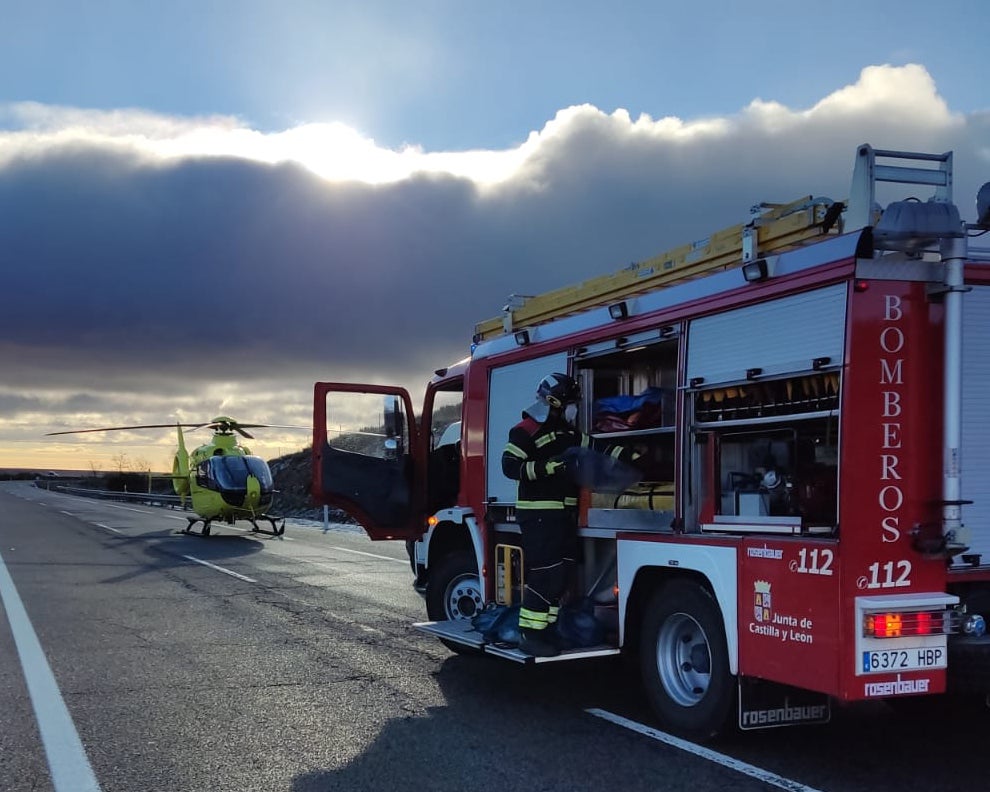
x=908 y=623
x=883 y=625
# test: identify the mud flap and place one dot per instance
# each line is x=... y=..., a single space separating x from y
x=767 y=705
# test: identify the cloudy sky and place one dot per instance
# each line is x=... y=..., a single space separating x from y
x=207 y=207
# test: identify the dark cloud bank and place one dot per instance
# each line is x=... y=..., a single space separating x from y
x=123 y=274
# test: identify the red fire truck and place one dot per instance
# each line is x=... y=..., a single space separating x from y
x=806 y=387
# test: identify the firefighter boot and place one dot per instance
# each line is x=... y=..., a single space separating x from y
x=538 y=643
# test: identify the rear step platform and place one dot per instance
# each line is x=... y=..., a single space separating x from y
x=461 y=632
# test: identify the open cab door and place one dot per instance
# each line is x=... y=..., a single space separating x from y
x=366 y=452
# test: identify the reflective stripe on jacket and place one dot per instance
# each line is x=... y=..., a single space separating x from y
x=532 y=457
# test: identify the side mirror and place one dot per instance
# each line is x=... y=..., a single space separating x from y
x=394 y=421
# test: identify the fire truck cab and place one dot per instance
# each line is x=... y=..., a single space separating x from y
x=806 y=388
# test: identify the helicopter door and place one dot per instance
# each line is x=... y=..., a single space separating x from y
x=365 y=444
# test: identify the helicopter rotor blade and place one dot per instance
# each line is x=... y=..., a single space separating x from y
x=224 y=425
x=271 y=426
x=119 y=428
x=234 y=424
x=237 y=426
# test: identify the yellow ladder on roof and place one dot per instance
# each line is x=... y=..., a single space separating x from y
x=778 y=228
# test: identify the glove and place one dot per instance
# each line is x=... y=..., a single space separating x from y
x=555 y=466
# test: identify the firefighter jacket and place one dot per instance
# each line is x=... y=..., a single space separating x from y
x=533 y=458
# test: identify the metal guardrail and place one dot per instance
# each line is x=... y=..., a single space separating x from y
x=146 y=498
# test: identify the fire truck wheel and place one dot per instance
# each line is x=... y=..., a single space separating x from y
x=685 y=661
x=454 y=590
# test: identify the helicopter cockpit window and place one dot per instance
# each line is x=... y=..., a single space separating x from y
x=259 y=469
x=230 y=473
x=204 y=477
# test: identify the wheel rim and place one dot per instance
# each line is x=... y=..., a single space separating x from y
x=463 y=597
x=684 y=659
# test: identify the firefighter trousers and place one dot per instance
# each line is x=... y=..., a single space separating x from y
x=549 y=542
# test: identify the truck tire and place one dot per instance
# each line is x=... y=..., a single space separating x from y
x=453 y=592
x=684 y=660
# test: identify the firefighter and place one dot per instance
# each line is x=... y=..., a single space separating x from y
x=537 y=456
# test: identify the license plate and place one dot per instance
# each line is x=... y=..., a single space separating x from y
x=905 y=659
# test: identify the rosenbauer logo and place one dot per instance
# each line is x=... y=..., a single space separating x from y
x=780 y=716
x=896 y=687
x=765 y=552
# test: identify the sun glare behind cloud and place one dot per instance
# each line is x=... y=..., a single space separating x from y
x=334 y=150
x=337 y=152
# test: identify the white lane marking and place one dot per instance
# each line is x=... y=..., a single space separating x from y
x=129 y=508
x=221 y=569
x=101 y=525
x=67 y=761
x=370 y=555
x=705 y=753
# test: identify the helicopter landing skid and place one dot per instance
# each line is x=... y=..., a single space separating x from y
x=277 y=523
x=204 y=531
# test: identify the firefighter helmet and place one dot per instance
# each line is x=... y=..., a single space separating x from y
x=557 y=390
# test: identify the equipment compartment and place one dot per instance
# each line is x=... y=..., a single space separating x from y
x=630 y=398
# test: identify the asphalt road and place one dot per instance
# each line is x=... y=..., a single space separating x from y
x=241 y=662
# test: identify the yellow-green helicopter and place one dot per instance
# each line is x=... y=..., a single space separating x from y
x=222 y=478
